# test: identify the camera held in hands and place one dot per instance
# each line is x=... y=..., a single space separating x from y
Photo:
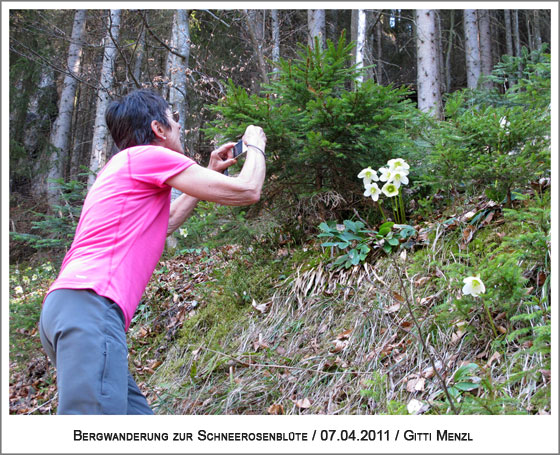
x=238 y=149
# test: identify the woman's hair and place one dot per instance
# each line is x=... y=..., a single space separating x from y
x=130 y=118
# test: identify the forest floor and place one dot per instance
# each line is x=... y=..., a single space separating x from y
x=257 y=328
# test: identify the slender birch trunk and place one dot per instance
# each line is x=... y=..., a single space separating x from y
x=275 y=38
x=99 y=141
x=316 y=27
x=360 y=44
x=60 y=133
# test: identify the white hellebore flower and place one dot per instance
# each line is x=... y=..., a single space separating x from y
x=386 y=174
x=473 y=286
x=18 y=289
x=399 y=177
x=373 y=191
x=390 y=189
x=369 y=175
x=397 y=163
x=183 y=232
x=504 y=124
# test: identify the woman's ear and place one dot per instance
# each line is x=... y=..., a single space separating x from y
x=158 y=130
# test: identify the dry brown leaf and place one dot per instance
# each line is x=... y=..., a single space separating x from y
x=541 y=278
x=416 y=385
x=467 y=216
x=421 y=281
x=344 y=335
x=398 y=297
x=468 y=234
x=456 y=337
x=276 y=409
x=488 y=219
x=261 y=308
x=428 y=300
x=304 y=403
x=428 y=373
x=144 y=332
x=393 y=308
x=496 y=357
x=416 y=407
x=259 y=343
x=339 y=345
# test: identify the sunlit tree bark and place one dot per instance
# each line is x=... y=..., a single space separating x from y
x=429 y=94
x=316 y=27
x=99 y=141
x=472 y=49
x=60 y=133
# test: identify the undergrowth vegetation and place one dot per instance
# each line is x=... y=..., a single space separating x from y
x=315 y=301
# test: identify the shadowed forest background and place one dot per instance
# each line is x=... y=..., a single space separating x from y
x=322 y=298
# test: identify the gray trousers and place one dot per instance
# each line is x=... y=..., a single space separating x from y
x=83 y=335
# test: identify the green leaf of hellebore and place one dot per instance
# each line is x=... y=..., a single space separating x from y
x=387 y=248
x=384 y=231
x=407 y=231
x=393 y=241
x=349 y=236
x=465 y=371
x=388 y=224
x=340 y=260
x=364 y=249
x=465 y=386
x=454 y=392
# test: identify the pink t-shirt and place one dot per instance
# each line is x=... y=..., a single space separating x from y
x=123 y=225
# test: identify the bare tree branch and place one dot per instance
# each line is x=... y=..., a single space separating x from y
x=157 y=38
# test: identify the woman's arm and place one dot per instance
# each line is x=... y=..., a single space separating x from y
x=199 y=183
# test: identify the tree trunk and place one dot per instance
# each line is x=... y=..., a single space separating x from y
x=275 y=38
x=472 y=49
x=537 y=38
x=60 y=133
x=99 y=141
x=379 y=40
x=255 y=24
x=180 y=66
x=171 y=57
x=429 y=94
x=447 y=64
x=360 y=44
x=530 y=38
x=509 y=36
x=439 y=50
x=37 y=121
x=316 y=27
x=140 y=51
x=516 y=38
x=178 y=75
x=486 y=63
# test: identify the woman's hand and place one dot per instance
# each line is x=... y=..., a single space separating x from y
x=222 y=158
